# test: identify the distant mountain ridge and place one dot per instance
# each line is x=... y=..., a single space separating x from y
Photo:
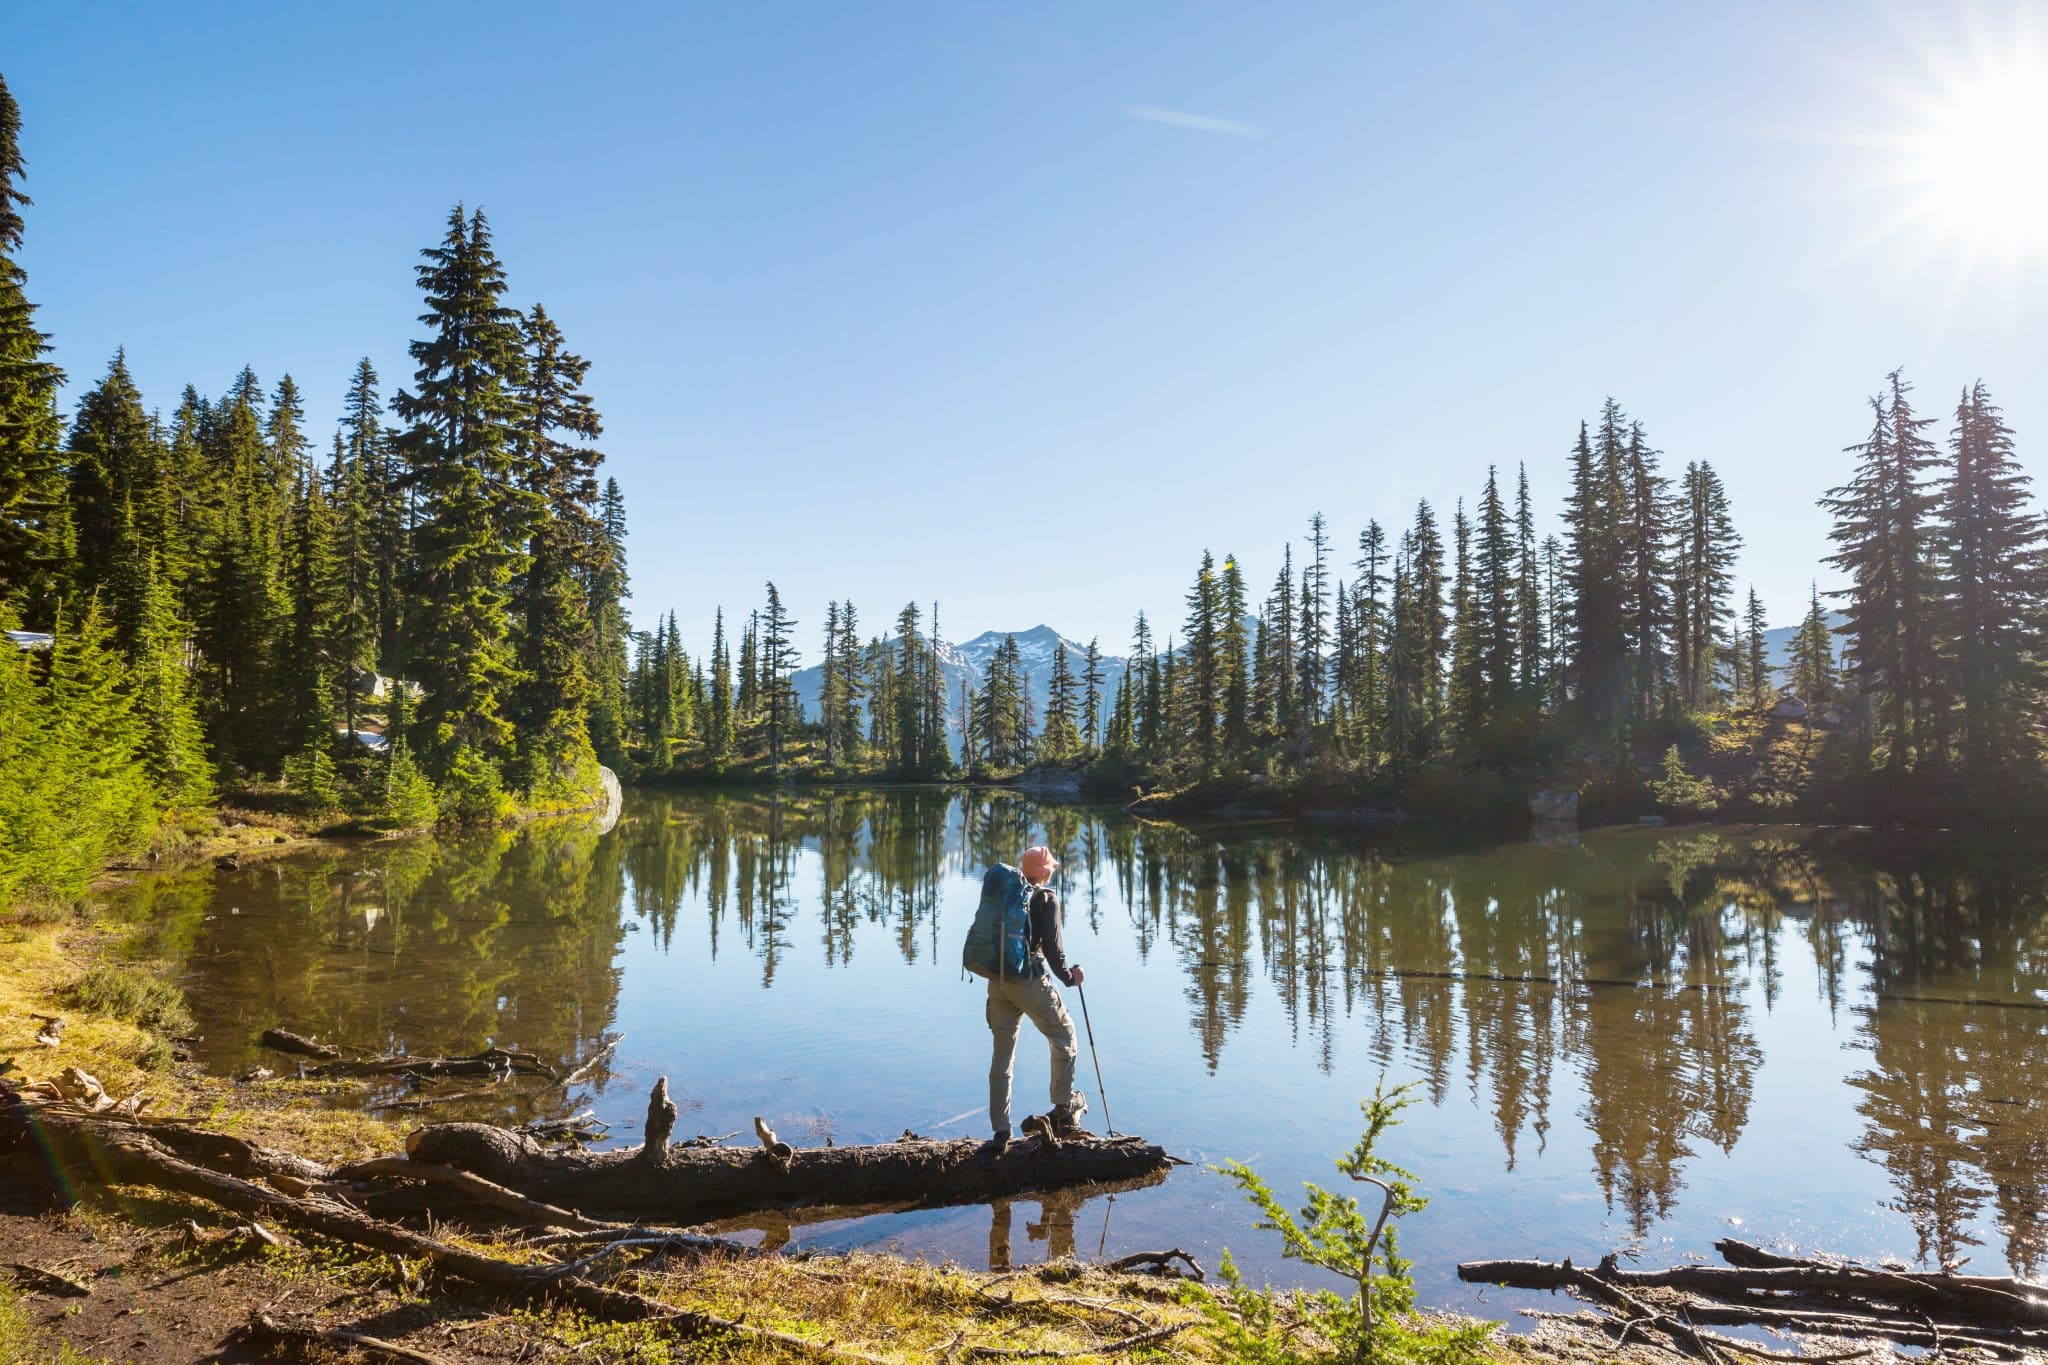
x=967 y=662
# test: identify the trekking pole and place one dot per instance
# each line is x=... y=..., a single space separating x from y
x=1090 y=1025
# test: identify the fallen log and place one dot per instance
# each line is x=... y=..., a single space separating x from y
x=688 y=1184
x=1813 y=1297
x=1945 y=1293
x=284 y=1040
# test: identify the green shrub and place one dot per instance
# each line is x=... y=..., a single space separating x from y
x=310 y=775
x=408 y=800
x=1377 y=1324
x=136 y=992
x=472 y=791
x=1679 y=792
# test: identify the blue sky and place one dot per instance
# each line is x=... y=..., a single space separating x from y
x=1020 y=307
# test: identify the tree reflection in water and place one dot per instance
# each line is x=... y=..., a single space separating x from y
x=1614 y=984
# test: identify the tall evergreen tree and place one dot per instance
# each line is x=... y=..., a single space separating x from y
x=1597 y=641
x=1702 y=583
x=476 y=507
x=1495 y=585
x=1646 y=609
x=1881 y=529
x=1372 y=629
x=778 y=659
x=1756 y=665
x=1203 y=677
x=558 y=645
x=1233 y=656
x=608 y=592
x=33 y=545
x=1060 y=737
x=1530 y=623
x=1315 y=597
x=1467 y=700
x=1092 y=678
x=1813 y=656
x=1988 y=541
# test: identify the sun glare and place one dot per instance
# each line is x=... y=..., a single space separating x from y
x=1985 y=158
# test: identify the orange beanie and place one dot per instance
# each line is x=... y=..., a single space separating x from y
x=1038 y=865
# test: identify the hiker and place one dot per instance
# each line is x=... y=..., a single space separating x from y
x=1016 y=944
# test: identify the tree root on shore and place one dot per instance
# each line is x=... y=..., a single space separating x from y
x=2003 y=1317
x=126 y=1153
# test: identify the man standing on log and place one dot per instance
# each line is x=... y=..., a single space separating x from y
x=1030 y=994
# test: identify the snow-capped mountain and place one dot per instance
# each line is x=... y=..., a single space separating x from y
x=967 y=663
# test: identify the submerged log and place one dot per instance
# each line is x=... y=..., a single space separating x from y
x=688 y=1183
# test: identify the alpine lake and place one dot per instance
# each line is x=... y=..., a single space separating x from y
x=1634 y=1040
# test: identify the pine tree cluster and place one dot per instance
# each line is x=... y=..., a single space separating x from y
x=427 y=622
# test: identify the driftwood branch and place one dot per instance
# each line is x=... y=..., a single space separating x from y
x=594 y=1061
x=2005 y=1317
x=1160 y=1263
x=284 y=1040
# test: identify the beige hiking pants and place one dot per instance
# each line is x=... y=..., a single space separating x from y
x=1011 y=999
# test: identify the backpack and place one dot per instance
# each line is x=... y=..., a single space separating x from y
x=999 y=943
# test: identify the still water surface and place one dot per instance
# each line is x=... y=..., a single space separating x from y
x=1644 y=1038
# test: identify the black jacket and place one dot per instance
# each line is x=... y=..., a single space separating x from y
x=1045 y=933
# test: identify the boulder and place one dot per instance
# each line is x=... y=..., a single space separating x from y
x=1554 y=807
x=1789 y=708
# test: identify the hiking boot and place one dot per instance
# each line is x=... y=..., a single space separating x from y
x=1066 y=1118
x=998 y=1144
x=1042 y=1126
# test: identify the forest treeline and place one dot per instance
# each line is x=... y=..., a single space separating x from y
x=419 y=619
x=1473 y=645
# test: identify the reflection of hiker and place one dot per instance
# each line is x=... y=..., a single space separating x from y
x=1016 y=944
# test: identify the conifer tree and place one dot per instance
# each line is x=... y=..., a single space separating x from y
x=476 y=506
x=32 y=530
x=719 y=737
x=1315 y=593
x=1372 y=630
x=608 y=592
x=173 y=747
x=1092 y=678
x=244 y=606
x=1203 y=677
x=376 y=462
x=1989 y=543
x=1282 y=662
x=1060 y=738
x=1702 y=582
x=1531 y=624
x=1233 y=649
x=558 y=646
x=1881 y=529
x=1596 y=642
x=306 y=683
x=1431 y=623
x=1646 y=529
x=1495 y=585
x=778 y=659
x=1756 y=666
x=113 y=449
x=1813 y=656
x=1467 y=700
x=350 y=628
